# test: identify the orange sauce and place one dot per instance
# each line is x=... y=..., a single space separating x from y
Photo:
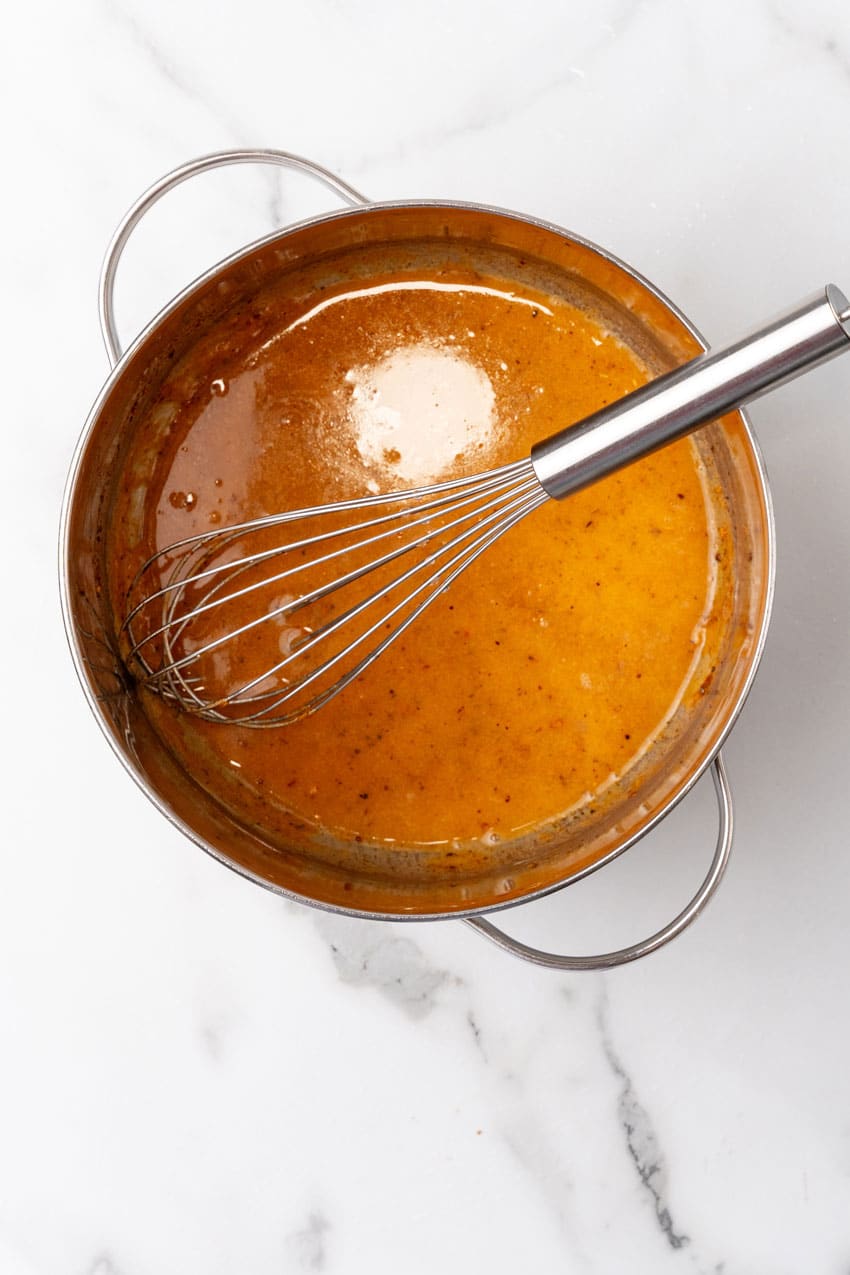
x=548 y=670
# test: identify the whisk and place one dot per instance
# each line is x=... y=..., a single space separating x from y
x=327 y=589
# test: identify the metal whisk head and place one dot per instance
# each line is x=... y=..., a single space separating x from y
x=262 y=623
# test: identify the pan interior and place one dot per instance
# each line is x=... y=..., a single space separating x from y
x=133 y=452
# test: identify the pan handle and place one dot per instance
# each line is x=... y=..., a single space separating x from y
x=219 y=159
x=608 y=960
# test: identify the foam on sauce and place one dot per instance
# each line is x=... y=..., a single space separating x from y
x=547 y=672
x=419 y=410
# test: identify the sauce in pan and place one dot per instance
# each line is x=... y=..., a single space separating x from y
x=549 y=669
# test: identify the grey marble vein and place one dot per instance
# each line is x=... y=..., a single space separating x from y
x=497 y=107
x=181 y=80
x=277 y=202
x=640 y=1137
x=370 y=954
x=212 y=1039
x=529 y=1141
x=178 y=77
x=820 y=41
x=307 y=1246
x=103 y=1265
x=476 y=1033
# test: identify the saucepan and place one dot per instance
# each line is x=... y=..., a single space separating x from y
x=396 y=886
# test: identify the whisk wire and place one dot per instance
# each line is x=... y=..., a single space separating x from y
x=436 y=585
x=465 y=554
x=181 y=582
x=176 y=626
x=466 y=516
x=184 y=549
x=463 y=560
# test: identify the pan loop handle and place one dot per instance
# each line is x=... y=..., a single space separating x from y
x=219 y=159
x=608 y=960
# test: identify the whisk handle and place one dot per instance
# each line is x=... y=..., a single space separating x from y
x=703 y=389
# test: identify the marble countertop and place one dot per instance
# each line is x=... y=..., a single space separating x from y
x=202 y=1079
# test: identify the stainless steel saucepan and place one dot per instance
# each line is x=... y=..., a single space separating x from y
x=366 y=881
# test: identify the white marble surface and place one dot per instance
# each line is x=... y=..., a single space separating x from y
x=199 y=1079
